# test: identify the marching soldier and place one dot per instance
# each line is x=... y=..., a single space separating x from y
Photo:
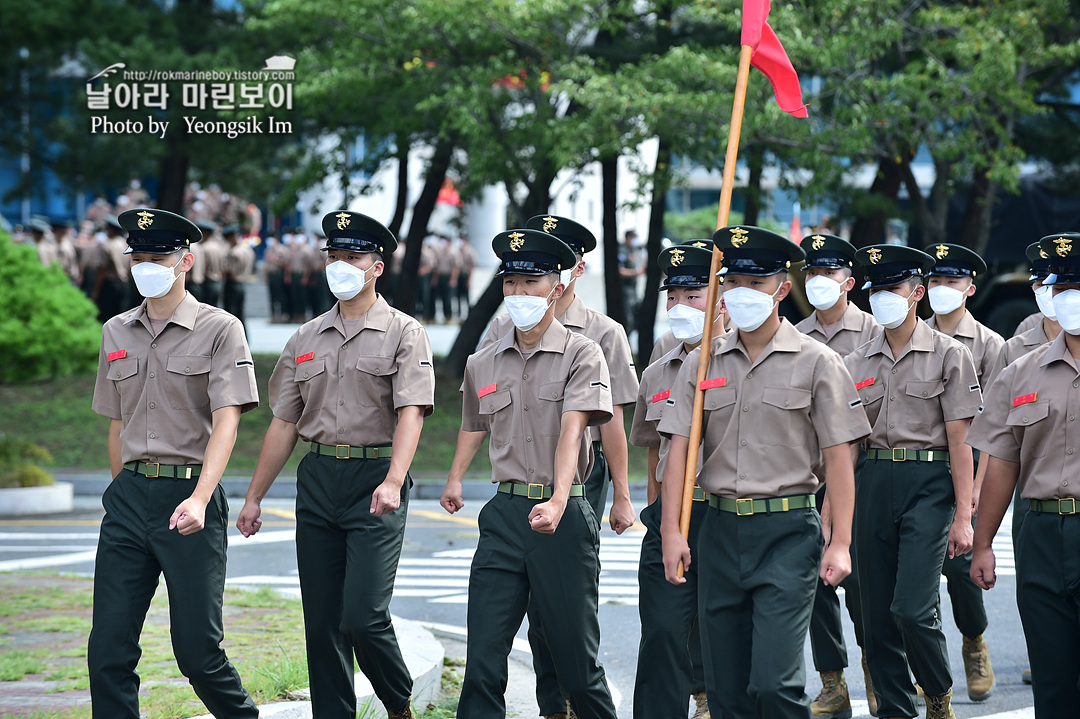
x=1028 y=430
x=197 y=276
x=355 y=383
x=920 y=390
x=174 y=376
x=239 y=264
x=841 y=326
x=669 y=655
x=533 y=393
x=775 y=401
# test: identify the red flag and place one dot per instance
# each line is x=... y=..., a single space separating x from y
x=771 y=58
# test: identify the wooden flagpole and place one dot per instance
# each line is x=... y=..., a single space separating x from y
x=689 y=479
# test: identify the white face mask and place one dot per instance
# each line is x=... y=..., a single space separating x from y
x=153 y=280
x=889 y=308
x=944 y=300
x=687 y=323
x=526 y=311
x=1044 y=297
x=823 y=292
x=749 y=308
x=345 y=281
x=1067 y=309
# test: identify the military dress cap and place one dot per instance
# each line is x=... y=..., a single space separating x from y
x=1064 y=253
x=157 y=232
x=955 y=261
x=750 y=250
x=888 y=265
x=828 y=251
x=208 y=227
x=574 y=234
x=531 y=252
x=347 y=230
x=232 y=229
x=37 y=224
x=685 y=266
x=1040 y=261
x=111 y=221
x=702 y=243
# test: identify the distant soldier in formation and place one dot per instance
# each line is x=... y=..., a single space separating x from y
x=238 y=267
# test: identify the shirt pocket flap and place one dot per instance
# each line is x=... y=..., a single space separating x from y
x=553 y=391
x=719 y=397
x=376 y=365
x=871 y=393
x=786 y=397
x=495 y=401
x=188 y=364
x=307 y=370
x=655 y=410
x=925 y=389
x=1028 y=414
x=123 y=368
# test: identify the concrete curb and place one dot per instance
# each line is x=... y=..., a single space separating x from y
x=49 y=499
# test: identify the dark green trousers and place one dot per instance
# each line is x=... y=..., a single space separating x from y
x=903 y=512
x=212 y=293
x=969 y=611
x=348 y=559
x=669 y=664
x=135 y=547
x=1048 y=596
x=233 y=299
x=756 y=579
x=549 y=697
x=560 y=573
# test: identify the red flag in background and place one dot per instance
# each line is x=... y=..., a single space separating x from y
x=770 y=57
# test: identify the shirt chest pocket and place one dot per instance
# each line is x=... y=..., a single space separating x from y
x=786 y=417
x=188 y=381
x=500 y=423
x=310 y=378
x=922 y=415
x=1028 y=425
x=550 y=408
x=374 y=381
x=125 y=376
x=655 y=411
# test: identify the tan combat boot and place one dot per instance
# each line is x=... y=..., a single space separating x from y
x=570 y=713
x=833 y=702
x=940 y=707
x=871 y=698
x=701 y=702
x=406 y=713
x=980 y=674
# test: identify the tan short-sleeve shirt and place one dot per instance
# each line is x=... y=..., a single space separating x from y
x=166 y=388
x=1028 y=322
x=520 y=401
x=1032 y=416
x=854 y=329
x=983 y=343
x=765 y=422
x=908 y=400
x=240 y=262
x=212 y=253
x=1015 y=348
x=342 y=383
x=662 y=346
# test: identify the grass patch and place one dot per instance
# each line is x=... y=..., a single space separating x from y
x=18 y=664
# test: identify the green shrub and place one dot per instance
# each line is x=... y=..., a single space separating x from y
x=17 y=468
x=48 y=328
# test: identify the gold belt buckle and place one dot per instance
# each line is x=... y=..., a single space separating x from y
x=157 y=469
x=375 y=452
x=1071 y=505
x=902 y=457
x=339 y=448
x=539 y=490
x=740 y=503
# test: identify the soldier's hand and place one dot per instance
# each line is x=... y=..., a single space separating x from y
x=984 y=568
x=961 y=536
x=248 y=522
x=385 y=499
x=975 y=492
x=622 y=515
x=188 y=516
x=451 y=499
x=545 y=517
x=835 y=565
x=676 y=552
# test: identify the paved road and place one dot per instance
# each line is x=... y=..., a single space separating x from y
x=433 y=580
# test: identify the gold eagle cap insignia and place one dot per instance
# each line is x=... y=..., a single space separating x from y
x=517 y=241
x=818 y=242
x=343 y=220
x=677 y=257
x=738 y=236
x=145 y=219
x=1064 y=246
x=699 y=244
x=942 y=251
x=874 y=255
x=1043 y=255
x=550 y=223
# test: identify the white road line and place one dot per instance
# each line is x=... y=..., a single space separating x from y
x=15 y=565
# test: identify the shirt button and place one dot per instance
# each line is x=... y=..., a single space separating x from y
x=341 y=376
x=491 y=408
x=528 y=439
x=1025 y=420
x=153 y=406
x=785 y=403
x=341 y=430
x=1065 y=483
x=1076 y=384
x=892 y=426
x=153 y=345
x=1069 y=451
x=345 y=346
x=340 y=402
x=306 y=375
x=743 y=443
x=661 y=413
x=151 y=375
x=745 y=408
x=187 y=370
x=892 y=398
x=378 y=371
x=524 y=376
x=153 y=436
x=526 y=408
x=894 y=371
x=554 y=395
x=530 y=470
x=924 y=394
x=742 y=476
x=749 y=375
x=117 y=375
x=712 y=405
x=1072 y=417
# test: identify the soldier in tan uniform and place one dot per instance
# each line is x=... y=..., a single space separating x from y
x=669 y=654
x=838 y=324
x=951 y=281
x=212 y=255
x=919 y=390
x=197 y=276
x=533 y=393
x=239 y=264
x=355 y=383
x=174 y=375
x=1028 y=428
x=667 y=342
x=775 y=403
